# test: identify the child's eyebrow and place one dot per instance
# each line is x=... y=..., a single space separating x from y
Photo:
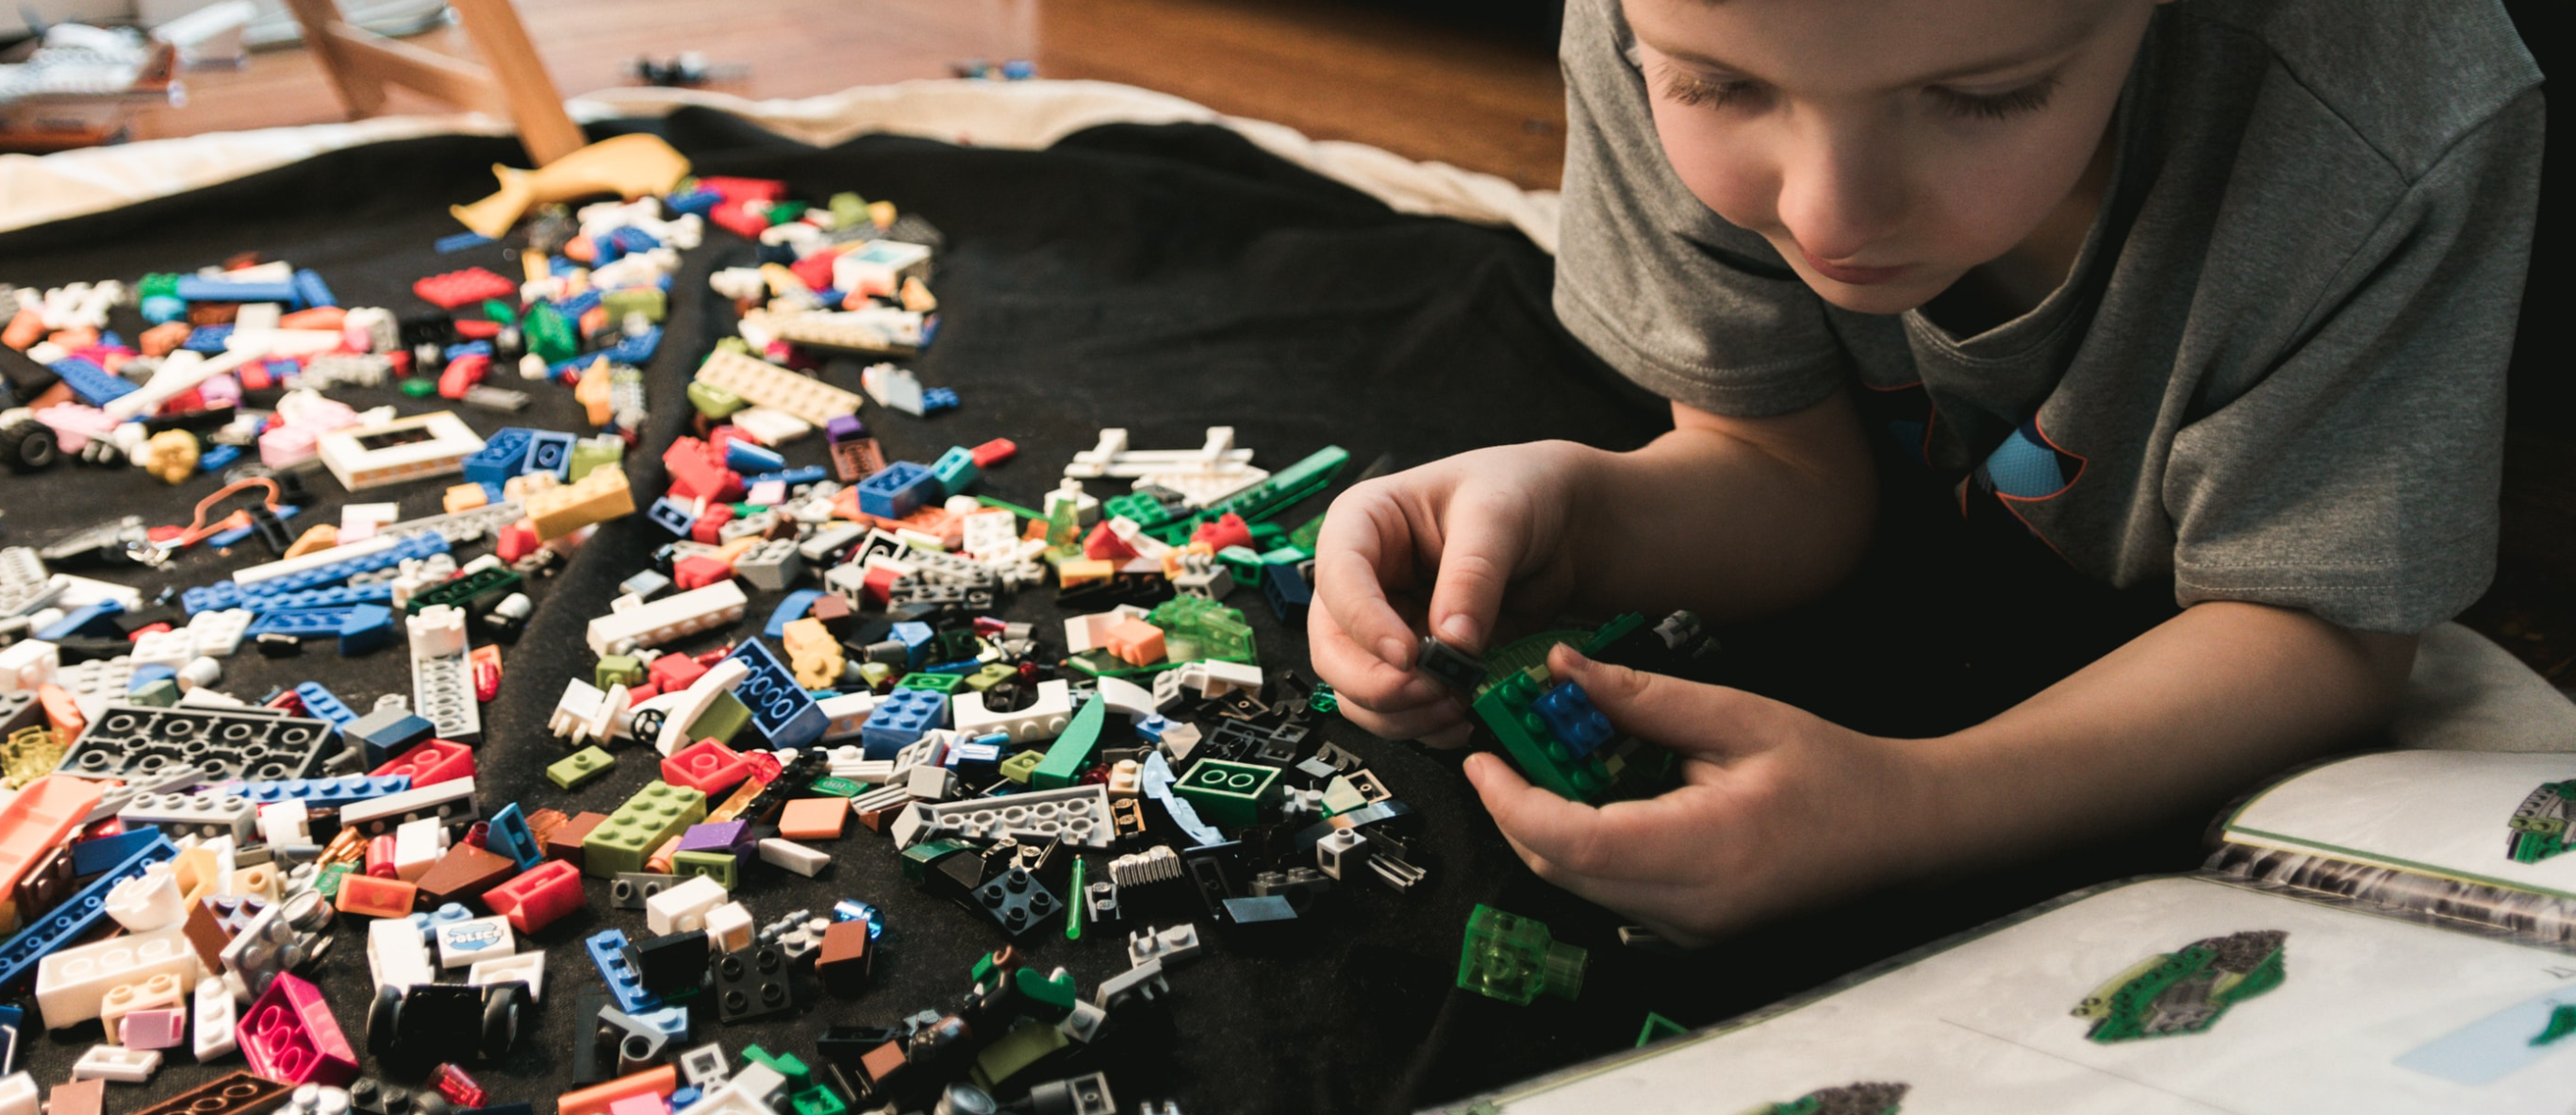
x=2058 y=46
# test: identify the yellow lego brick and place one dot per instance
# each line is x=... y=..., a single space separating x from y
x=464 y=497
x=598 y=497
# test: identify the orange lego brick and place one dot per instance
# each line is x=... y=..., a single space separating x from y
x=813 y=818
x=376 y=898
x=595 y=1099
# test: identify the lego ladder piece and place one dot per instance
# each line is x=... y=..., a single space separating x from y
x=361 y=63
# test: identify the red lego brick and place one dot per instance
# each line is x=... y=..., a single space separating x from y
x=710 y=523
x=1229 y=529
x=994 y=452
x=430 y=762
x=1104 y=543
x=517 y=541
x=534 y=900
x=698 y=471
x=732 y=217
x=673 y=672
x=700 y=571
x=745 y=189
x=463 y=373
x=289 y=1035
x=706 y=766
x=458 y=288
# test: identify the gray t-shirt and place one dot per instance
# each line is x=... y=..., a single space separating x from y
x=2276 y=370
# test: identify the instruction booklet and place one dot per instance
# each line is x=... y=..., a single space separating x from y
x=2390 y=932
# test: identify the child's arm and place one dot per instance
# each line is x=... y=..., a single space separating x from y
x=1725 y=516
x=1782 y=809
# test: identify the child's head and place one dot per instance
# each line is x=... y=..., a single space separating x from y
x=1885 y=147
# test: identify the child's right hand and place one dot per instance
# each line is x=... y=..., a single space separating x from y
x=1480 y=534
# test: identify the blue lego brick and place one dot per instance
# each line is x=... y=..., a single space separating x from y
x=672 y=515
x=604 y=250
x=976 y=754
x=217 y=458
x=915 y=638
x=310 y=291
x=91 y=619
x=551 y=451
x=747 y=458
x=936 y=399
x=389 y=737
x=89 y=857
x=700 y=202
x=417 y=544
x=359 y=627
x=608 y=949
x=509 y=835
x=450 y=245
x=562 y=267
x=13 y=1022
x=901 y=719
x=208 y=339
x=78 y=914
x=89 y=381
x=929 y=333
x=342 y=596
x=143 y=677
x=319 y=793
x=320 y=704
x=1570 y=714
x=572 y=308
x=791 y=477
x=1151 y=728
x=780 y=708
x=789 y=610
x=960 y=666
x=1288 y=593
x=467 y=348
x=955 y=469
x=897 y=490
x=199 y=288
x=632 y=239
x=366 y=628
x=504 y=455
x=239 y=534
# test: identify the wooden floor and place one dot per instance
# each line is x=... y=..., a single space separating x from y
x=1330 y=69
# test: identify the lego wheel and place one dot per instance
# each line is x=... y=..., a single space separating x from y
x=29 y=446
x=381 y=1017
x=502 y=1004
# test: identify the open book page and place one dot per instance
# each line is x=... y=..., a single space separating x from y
x=2269 y=1004
x=2465 y=836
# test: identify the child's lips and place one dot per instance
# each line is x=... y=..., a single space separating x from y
x=1854 y=276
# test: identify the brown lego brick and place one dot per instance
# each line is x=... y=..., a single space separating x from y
x=237 y=1093
x=464 y=872
x=80 y=1097
x=564 y=843
x=845 y=959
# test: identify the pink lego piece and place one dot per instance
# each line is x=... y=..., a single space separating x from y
x=289 y=1035
x=645 y=1104
x=75 y=424
x=161 y=1028
x=287 y=446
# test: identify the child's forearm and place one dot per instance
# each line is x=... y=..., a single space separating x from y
x=1730 y=518
x=2202 y=706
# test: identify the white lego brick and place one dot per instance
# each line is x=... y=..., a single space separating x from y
x=206 y=697
x=162 y=648
x=1083 y=633
x=117 y=1063
x=28 y=664
x=729 y=927
x=770 y=427
x=333 y=555
x=927 y=783
x=846 y=714
x=1112 y=457
x=372 y=456
x=396 y=955
x=417 y=846
x=451 y=801
x=683 y=907
x=213 y=1021
x=1045 y=718
x=1126 y=697
x=148 y=901
x=768 y=385
x=18 y=1095
x=285 y=824
x=71 y=983
x=464 y=943
x=893 y=388
x=525 y=967
x=669 y=618
x=1171 y=946
x=781 y=852
x=574 y=710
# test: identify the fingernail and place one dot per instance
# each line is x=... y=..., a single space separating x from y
x=1459 y=630
x=1393 y=652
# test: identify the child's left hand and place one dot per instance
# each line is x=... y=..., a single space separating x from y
x=1778 y=809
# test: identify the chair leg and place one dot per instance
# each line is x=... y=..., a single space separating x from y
x=361 y=94
x=544 y=127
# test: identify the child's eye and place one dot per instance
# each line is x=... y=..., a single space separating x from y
x=1995 y=106
x=1697 y=92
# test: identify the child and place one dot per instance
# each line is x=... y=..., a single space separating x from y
x=2217 y=292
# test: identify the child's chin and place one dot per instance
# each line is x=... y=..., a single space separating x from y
x=1894 y=297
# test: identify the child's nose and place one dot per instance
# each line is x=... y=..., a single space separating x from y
x=1839 y=197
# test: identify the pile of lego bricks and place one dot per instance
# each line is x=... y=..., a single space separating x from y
x=934 y=949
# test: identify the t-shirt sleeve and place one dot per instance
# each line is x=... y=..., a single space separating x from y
x=2358 y=480
x=1664 y=290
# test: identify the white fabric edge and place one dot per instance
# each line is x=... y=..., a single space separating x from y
x=2468 y=694
x=1027 y=114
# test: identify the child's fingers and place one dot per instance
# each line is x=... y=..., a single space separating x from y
x=1685 y=716
x=1348 y=571
x=1567 y=835
x=1483 y=537
x=1360 y=677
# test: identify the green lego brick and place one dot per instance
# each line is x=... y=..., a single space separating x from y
x=646 y=300
x=2562 y=1022
x=875 y=673
x=595 y=453
x=463 y=591
x=1025 y=1045
x=1342 y=797
x=990 y=676
x=1147 y=511
x=655 y=814
x=1071 y=751
x=1245 y=563
x=548 y=335
x=1229 y=794
x=834 y=787
x=726 y=717
x=1658 y=1028
x=1021 y=765
x=579 y=767
x=719 y=866
x=1622 y=768
x=496 y=310
x=1304 y=537
x=786 y=1064
x=1007 y=505
x=1520 y=654
x=817 y=1100
x=936 y=683
x=1514 y=959
x=2185 y=991
x=617 y=669
x=713 y=401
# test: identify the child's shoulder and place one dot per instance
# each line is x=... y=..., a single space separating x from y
x=2408 y=78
